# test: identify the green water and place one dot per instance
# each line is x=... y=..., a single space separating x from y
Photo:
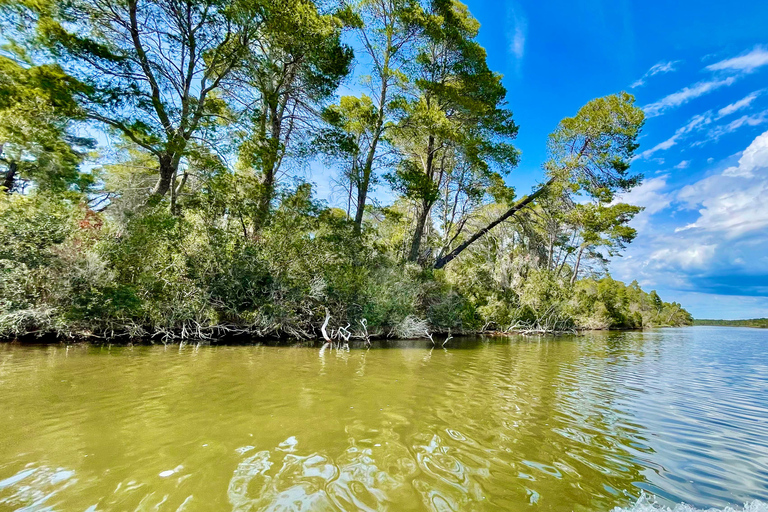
x=579 y=423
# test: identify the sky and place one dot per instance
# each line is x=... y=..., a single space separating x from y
x=699 y=69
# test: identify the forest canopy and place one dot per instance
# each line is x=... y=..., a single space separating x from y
x=153 y=163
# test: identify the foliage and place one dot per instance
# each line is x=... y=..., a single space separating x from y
x=197 y=222
x=754 y=322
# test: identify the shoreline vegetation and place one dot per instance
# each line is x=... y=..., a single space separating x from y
x=194 y=218
x=752 y=322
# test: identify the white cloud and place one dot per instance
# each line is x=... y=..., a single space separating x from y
x=518 y=42
x=746 y=120
x=692 y=257
x=683 y=165
x=695 y=123
x=649 y=195
x=753 y=158
x=658 y=68
x=741 y=104
x=747 y=63
x=517 y=31
x=685 y=95
x=733 y=203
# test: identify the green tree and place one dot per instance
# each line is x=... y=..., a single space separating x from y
x=602 y=226
x=37 y=145
x=150 y=70
x=454 y=115
x=591 y=152
x=386 y=31
x=295 y=63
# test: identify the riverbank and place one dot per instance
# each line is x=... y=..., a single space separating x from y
x=439 y=339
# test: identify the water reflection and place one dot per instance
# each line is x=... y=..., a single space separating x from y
x=572 y=424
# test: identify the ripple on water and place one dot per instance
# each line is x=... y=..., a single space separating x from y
x=34 y=487
x=575 y=424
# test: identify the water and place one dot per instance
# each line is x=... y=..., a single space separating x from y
x=592 y=423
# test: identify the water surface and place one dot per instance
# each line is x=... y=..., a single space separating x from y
x=583 y=423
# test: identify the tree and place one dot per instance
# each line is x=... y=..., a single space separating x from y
x=351 y=127
x=36 y=142
x=149 y=69
x=455 y=113
x=386 y=30
x=294 y=64
x=603 y=226
x=591 y=151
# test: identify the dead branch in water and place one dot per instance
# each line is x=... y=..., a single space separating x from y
x=450 y=337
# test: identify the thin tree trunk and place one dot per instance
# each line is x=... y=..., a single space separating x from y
x=669 y=319
x=10 y=176
x=173 y=193
x=421 y=221
x=442 y=262
x=425 y=206
x=268 y=184
x=362 y=191
x=576 y=266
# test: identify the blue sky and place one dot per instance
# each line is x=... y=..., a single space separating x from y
x=700 y=71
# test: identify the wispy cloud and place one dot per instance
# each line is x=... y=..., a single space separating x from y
x=517 y=33
x=695 y=123
x=656 y=69
x=685 y=95
x=745 y=120
x=683 y=165
x=739 y=105
x=747 y=63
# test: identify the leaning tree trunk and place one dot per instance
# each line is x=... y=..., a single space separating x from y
x=576 y=266
x=442 y=262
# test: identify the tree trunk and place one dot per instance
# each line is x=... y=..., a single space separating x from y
x=362 y=195
x=268 y=184
x=362 y=191
x=10 y=176
x=442 y=262
x=163 y=185
x=576 y=266
x=423 y=213
x=421 y=221
x=265 y=200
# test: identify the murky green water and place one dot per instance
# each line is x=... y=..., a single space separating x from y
x=584 y=423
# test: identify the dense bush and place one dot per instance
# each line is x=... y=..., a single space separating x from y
x=69 y=271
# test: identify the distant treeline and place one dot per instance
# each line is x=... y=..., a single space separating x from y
x=754 y=322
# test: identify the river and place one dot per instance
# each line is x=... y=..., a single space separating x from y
x=584 y=423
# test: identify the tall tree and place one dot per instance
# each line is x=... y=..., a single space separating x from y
x=387 y=30
x=591 y=151
x=37 y=144
x=150 y=69
x=292 y=67
x=455 y=113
